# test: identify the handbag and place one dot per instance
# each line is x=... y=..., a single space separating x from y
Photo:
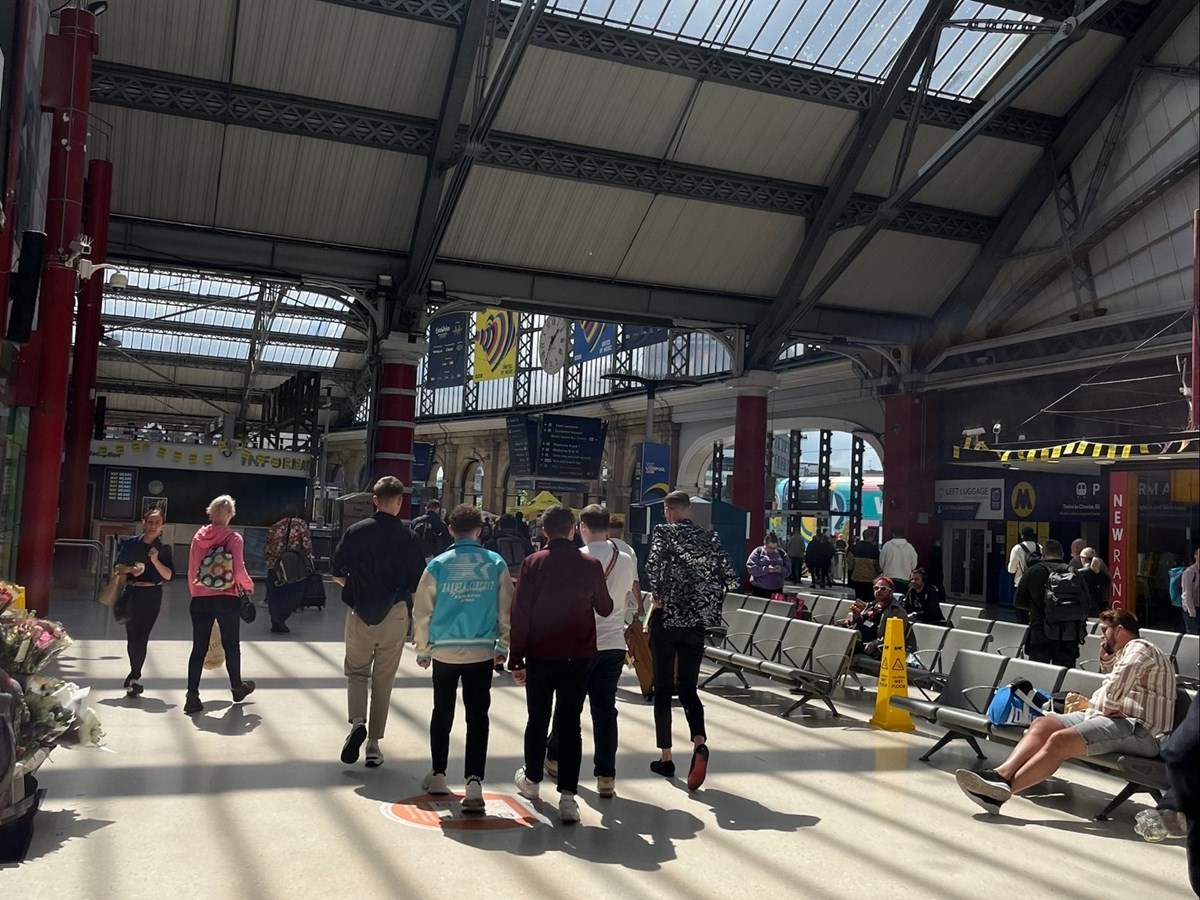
x=122 y=609
x=112 y=590
x=248 y=611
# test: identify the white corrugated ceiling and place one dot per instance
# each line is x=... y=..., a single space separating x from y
x=1066 y=79
x=187 y=37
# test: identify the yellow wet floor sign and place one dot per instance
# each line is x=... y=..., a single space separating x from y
x=893 y=680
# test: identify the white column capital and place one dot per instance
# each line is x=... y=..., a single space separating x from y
x=754 y=383
x=403 y=348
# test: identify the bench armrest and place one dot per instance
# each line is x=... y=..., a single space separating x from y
x=917 y=654
x=757 y=645
x=975 y=687
x=725 y=638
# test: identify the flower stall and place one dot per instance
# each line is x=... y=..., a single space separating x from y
x=37 y=713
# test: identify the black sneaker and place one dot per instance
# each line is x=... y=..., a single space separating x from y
x=354 y=741
x=987 y=789
x=663 y=767
x=242 y=692
x=280 y=628
x=134 y=689
x=192 y=704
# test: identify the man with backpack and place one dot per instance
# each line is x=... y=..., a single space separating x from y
x=512 y=543
x=1027 y=552
x=431 y=531
x=1059 y=604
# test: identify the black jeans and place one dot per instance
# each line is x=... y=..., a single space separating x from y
x=1040 y=648
x=146 y=605
x=282 y=599
x=603 y=678
x=820 y=575
x=797 y=569
x=224 y=611
x=666 y=646
x=557 y=685
x=1182 y=755
x=477 y=700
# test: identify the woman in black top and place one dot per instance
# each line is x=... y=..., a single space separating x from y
x=148 y=563
x=862 y=565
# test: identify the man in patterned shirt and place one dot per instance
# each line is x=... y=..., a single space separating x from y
x=689 y=573
x=1132 y=712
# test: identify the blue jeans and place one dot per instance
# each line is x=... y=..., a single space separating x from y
x=1191 y=624
x=603 y=678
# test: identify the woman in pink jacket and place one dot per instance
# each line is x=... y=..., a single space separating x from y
x=217 y=572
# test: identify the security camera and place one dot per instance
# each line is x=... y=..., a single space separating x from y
x=975 y=431
x=996 y=431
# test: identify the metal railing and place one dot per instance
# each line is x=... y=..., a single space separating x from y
x=96 y=570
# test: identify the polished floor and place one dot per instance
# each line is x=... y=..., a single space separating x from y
x=250 y=801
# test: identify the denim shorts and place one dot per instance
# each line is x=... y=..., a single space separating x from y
x=1104 y=735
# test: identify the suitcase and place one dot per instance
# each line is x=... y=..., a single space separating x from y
x=314 y=592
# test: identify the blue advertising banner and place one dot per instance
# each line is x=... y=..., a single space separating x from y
x=652 y=472
x=422 y=461
x=593 y=340
x=635 y=336
x=446 y=363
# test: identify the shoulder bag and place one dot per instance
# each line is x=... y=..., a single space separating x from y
x=248 y=611
x=294 y=564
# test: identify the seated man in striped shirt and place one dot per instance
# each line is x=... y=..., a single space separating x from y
x=1132 y=712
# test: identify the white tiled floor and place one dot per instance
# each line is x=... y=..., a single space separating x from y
x=251 y=801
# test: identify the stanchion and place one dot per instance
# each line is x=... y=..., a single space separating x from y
x=893 y=680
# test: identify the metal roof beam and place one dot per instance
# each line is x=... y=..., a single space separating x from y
x=964 y=304
x=570 y=35
x=196 y=302
x=185 y=361
x=1123 y=20
x=422 y=249
x=769 y=338
x=174 y=96
x=1069 y=33
x=152 y=389
x=148 y=241
x=200 y=329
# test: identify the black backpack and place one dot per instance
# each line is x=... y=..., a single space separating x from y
x=511 y=549
x=1032 y=557
x=1066 y=604
x=431 y=542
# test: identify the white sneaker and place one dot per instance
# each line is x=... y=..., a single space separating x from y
x=606 y=786
x=551 y=767
x=374 y=755
x=568 y=809
x=434 y=783
x=530 y=790
x=473 y=801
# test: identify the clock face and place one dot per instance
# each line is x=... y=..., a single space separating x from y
x=553 y=345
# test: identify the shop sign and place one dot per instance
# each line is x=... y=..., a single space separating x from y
x=1122 y=499
x=1054 y=498
x=969 y=499
x=221 y=457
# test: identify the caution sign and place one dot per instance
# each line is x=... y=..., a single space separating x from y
x=893 y=680
x=444 y=812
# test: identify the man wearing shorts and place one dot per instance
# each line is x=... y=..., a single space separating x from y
x=1132 y=712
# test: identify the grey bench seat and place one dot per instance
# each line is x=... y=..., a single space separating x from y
x=962 y=711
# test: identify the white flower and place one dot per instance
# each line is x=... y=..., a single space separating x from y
x=90 y=732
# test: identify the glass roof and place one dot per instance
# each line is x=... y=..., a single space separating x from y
x=162 y=298
x=859 y=38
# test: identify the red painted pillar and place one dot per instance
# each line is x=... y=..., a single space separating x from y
x=910 y=464
x=749 y=481
x=395 y=411
x=9 y=201
x=72 y=519
x=66 y=82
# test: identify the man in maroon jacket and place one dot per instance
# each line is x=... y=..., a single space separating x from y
x=552 y=644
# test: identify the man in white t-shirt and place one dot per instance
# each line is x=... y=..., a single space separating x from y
x=620 y=571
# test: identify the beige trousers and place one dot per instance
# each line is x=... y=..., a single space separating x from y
x=373 y=655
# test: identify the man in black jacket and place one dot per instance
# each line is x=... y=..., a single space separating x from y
x=378 y=563
x=923 y=602
x=1051 y=642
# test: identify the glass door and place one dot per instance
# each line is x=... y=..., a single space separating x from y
x=967 y=543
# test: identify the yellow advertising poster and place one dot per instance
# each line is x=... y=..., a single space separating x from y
x=495 y=345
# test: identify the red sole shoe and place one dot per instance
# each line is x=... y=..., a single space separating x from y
x=699 y=768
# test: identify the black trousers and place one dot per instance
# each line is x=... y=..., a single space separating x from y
x=666 y=646
x=1182 y=755
x=797 y=569
x=477 y=701
x=863 y=591
x=555 y=688
x=146 y=605
x=820 y=575
x=224 y=611
x=1042 y=649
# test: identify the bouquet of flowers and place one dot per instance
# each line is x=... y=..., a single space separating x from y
x=27 y=643
x=11 y=595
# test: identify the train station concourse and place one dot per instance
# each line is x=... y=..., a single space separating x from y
x=866 y=333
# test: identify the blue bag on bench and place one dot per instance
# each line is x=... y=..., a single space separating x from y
x=1017 y=703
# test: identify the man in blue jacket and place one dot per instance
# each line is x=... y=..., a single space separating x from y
x=461 y=626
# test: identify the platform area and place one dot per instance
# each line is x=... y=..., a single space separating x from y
x=251 y=801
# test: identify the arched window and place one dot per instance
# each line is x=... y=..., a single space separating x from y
x=472 y=483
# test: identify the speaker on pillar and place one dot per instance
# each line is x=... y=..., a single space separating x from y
x=98 y=421
x=23 y=288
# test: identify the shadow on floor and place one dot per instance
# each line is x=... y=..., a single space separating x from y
x=812 y=715
x=736 y=813
x=53 y=829
x=235 y=722
x=146 y=704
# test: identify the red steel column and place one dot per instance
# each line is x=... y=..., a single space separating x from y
x=66 y=82
x=72 y=518
x=1194 y=419
x=9 y=200
x=749 y=481
x=910 y=464
x=395 y=411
